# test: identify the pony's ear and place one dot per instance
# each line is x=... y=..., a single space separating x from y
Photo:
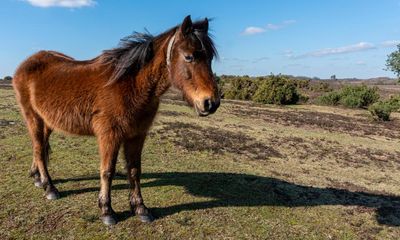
x=205 y=25
x=187 y=26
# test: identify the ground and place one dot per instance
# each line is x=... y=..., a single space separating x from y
x=247 y=172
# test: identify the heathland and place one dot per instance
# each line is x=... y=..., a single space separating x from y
x=250 y=171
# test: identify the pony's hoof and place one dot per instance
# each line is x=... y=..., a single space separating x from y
x=38 y=183
x=108 y=220
x=52 y=194
x=148 y=218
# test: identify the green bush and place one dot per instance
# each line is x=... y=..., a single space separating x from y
x=303 y=98
x=395 y=102
x=240 y=89
x=359 y=96
x=302 y=83
x=381 y=110
x=331 y=99
x=276 y=90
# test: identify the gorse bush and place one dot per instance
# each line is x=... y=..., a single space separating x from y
x=302 y=83
x=272 y=89
x=241 y=89
x=381 y=110
x=360 y=96
x=331 y=98
x=276 y=90
x=395 y=102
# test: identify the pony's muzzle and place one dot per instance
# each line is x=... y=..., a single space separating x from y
x=207 y=106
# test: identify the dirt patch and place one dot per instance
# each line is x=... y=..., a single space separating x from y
x=316 y=150
x=193 y=137
x=327 y=121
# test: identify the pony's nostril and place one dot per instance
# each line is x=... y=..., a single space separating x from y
x=207 y=104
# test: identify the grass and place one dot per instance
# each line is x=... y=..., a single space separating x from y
x=250 y=171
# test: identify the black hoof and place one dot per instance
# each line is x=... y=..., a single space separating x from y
x=148 y=218
x=108 y=220
x=52 y=194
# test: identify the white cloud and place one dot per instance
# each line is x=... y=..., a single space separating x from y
x=234 y=59
x=288 y=53
x=390 y=43
x=358 y=47
x=62 y=3
x=253 y=30
x=269 y=27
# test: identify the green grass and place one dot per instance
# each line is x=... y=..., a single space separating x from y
x=247 y=172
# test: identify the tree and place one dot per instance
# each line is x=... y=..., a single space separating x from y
x=333 y=78
x=393 y=62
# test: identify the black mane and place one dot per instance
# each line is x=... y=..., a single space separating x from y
x=136 y=50
x=133 y=52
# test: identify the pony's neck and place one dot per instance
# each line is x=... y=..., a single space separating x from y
x=155 y=76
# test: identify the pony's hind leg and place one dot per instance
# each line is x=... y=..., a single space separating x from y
x=34 y=171
x=40 y=134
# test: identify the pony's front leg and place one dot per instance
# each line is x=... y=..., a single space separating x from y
x=108 y=146
x=133 y=151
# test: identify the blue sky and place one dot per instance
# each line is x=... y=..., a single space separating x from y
x=349 y=38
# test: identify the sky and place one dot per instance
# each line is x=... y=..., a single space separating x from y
x=314 y=38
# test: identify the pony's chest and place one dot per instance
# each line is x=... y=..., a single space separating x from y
x=139 y=121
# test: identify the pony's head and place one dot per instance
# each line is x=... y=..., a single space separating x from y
x=189 y=55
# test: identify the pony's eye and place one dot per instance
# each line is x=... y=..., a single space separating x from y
x=189 y=58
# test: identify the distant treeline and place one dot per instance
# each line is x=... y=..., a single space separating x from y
x=284 y=89
x=376 y=80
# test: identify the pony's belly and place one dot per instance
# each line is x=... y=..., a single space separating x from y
x=74 y=125
x=68 y=119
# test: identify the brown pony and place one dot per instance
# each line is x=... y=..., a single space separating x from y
x=114 y=97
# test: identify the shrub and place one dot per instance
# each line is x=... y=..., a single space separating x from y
x=303 y=98
x=276 y=90
x=381 y=110
x=302 y=83
x=395 y=102
x=331 y=98
x=241 y=89
x=360 y=96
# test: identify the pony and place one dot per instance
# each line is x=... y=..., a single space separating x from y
x=114 y=97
